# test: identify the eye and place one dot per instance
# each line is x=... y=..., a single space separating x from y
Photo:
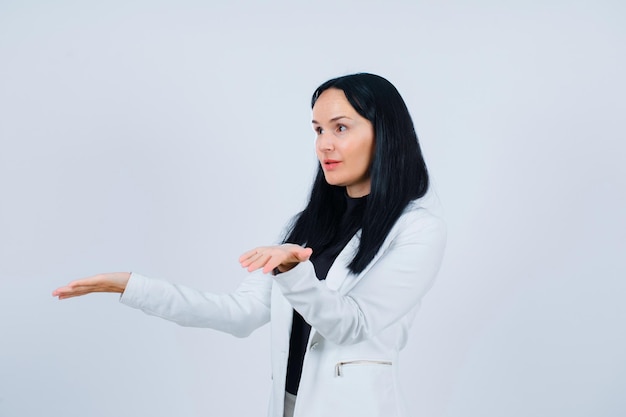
x=341 y=128
x=319 y=130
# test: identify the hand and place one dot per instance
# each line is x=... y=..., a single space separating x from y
x=112 y=282
x=284 y=257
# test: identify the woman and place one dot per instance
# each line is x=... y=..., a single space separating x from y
x=347 y=281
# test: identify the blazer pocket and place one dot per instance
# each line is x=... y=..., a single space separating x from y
x=358 y=362
x=363 y=388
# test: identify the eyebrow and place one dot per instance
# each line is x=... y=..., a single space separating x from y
x=334 y=119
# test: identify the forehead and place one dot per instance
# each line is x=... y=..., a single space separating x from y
x=330 y=104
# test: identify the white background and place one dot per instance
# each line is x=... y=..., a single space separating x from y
x=167 y=137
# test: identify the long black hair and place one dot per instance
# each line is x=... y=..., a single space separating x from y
x=398 y=171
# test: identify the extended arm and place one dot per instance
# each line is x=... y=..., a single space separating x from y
x=237 y=313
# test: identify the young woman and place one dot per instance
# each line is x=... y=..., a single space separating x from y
x=344 y=287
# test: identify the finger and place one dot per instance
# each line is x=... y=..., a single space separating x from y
x=69 y=295
x=252 y=258
x=63 y=290
x=252 y=253
x=58 y=291
x=272 y=263
x=295 y=256
x=76 y=288
x=66 y=292
x=259 y=262
x=248 y=254
x=63 y=293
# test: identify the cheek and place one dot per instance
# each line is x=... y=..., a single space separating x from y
x=367 y=152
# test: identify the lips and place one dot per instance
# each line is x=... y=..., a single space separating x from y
x=330 y=164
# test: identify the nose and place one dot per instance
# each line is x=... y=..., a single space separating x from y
x=324 y=142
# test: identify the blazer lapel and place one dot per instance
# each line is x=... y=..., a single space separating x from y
x=339 y=277
x=338 y=272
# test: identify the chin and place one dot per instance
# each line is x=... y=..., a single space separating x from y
x=334 y=182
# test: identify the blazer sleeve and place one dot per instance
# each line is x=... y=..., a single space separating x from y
x=237 y=313
x=388 y=290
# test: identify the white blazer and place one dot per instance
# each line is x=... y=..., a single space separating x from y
x=359 y=322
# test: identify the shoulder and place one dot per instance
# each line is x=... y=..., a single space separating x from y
x=417 y=212
x=419 y=222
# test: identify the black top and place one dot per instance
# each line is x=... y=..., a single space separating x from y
x=322 y=260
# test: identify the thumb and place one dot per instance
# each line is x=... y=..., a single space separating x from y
x=304 y=254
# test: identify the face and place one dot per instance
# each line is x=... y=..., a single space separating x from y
x=344 y=143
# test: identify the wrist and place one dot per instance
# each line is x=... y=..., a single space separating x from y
x=284 y=268
x=118 y=281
